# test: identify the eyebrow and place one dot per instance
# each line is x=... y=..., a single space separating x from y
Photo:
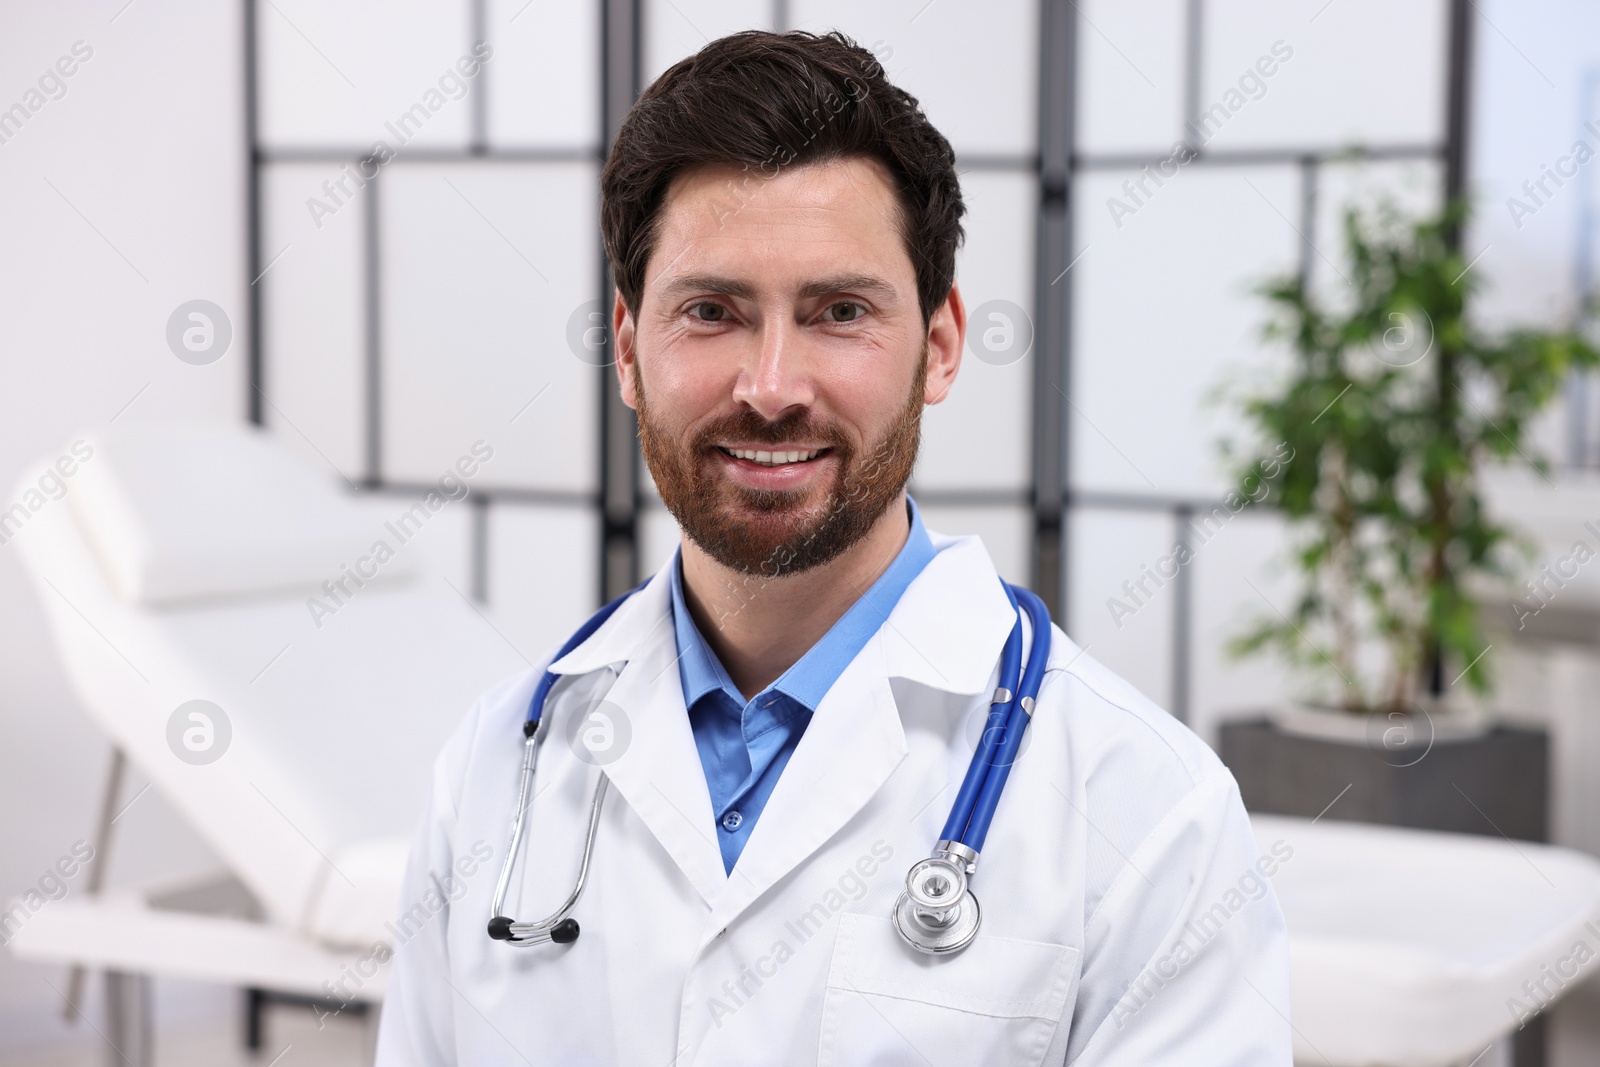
x=711 y=283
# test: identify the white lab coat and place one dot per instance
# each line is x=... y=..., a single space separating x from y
x=1125 y=916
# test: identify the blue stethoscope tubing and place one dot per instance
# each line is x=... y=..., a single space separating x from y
x=997 y=749
x=938 y=913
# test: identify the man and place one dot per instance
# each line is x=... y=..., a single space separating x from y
x=783 y=713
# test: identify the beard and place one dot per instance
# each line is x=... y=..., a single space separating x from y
x=779 y=532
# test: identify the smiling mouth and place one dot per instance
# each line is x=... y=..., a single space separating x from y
x=765 y=458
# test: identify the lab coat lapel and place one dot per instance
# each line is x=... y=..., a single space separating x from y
x=852 y=745
x=658 y=772
x=945 y=633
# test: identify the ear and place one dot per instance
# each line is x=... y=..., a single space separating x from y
x=623 y=336
x=947 y=333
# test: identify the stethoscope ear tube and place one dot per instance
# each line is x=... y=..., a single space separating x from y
x=557 y=927
x=499 y=925
x=994 y=728
x=994 y=782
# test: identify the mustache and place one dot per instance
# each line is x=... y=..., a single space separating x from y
x=747 y=425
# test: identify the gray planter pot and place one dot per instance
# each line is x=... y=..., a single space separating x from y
x=1496 y=784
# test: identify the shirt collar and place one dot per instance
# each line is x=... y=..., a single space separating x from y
x=808 y=680
x=698 y=667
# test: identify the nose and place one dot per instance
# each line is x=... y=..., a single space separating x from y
x=776 y=375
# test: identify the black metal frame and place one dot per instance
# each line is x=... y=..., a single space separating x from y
x=1050 y=496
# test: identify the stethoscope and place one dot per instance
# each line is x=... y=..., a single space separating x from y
x=937 y=913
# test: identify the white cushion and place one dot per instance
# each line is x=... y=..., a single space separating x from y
x=185 y=512
x=1412 y=948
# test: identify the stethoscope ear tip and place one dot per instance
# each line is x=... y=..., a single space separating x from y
x=562 y=933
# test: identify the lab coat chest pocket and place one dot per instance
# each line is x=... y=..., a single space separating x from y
x=997 y=1002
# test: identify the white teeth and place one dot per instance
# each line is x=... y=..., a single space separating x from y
x=773 y=459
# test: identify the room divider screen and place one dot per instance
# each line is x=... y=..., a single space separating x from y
x=427 y=275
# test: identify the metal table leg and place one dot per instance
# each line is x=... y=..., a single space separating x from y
x=1528 y=1043
x=130 y=1020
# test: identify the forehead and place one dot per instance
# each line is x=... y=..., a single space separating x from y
x=805 y=219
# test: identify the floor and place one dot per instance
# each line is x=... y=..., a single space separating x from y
x=294 y=1038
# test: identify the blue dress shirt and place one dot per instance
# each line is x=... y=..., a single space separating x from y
x=744 y=745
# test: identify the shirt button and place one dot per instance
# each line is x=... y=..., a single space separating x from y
x=732 y=821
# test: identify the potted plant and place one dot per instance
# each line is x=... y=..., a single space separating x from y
x=1372 y=444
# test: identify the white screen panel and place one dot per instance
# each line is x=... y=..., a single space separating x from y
x=440 y=548
x=978 y=437
x=342 y=74
x=543 y=574
x=1163 y=313
x=972 y=65
x=674 y=29
x=312 y=334
x=544 y=78
x=1241 y=574
x=1353 y=72
x=1005 y=532
x=658 y=539
x=483 y=270
x=1109 y=548
x=1130 y=76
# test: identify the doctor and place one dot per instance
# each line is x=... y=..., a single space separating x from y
x=785 y=712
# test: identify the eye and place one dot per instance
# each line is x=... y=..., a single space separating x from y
x=709 y=311
x=844 y=311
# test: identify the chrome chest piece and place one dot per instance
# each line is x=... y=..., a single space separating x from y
x=937 y=913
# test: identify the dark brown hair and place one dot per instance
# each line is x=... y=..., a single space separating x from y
x=764 y=101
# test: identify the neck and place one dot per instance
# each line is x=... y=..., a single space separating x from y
x=760 y=626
